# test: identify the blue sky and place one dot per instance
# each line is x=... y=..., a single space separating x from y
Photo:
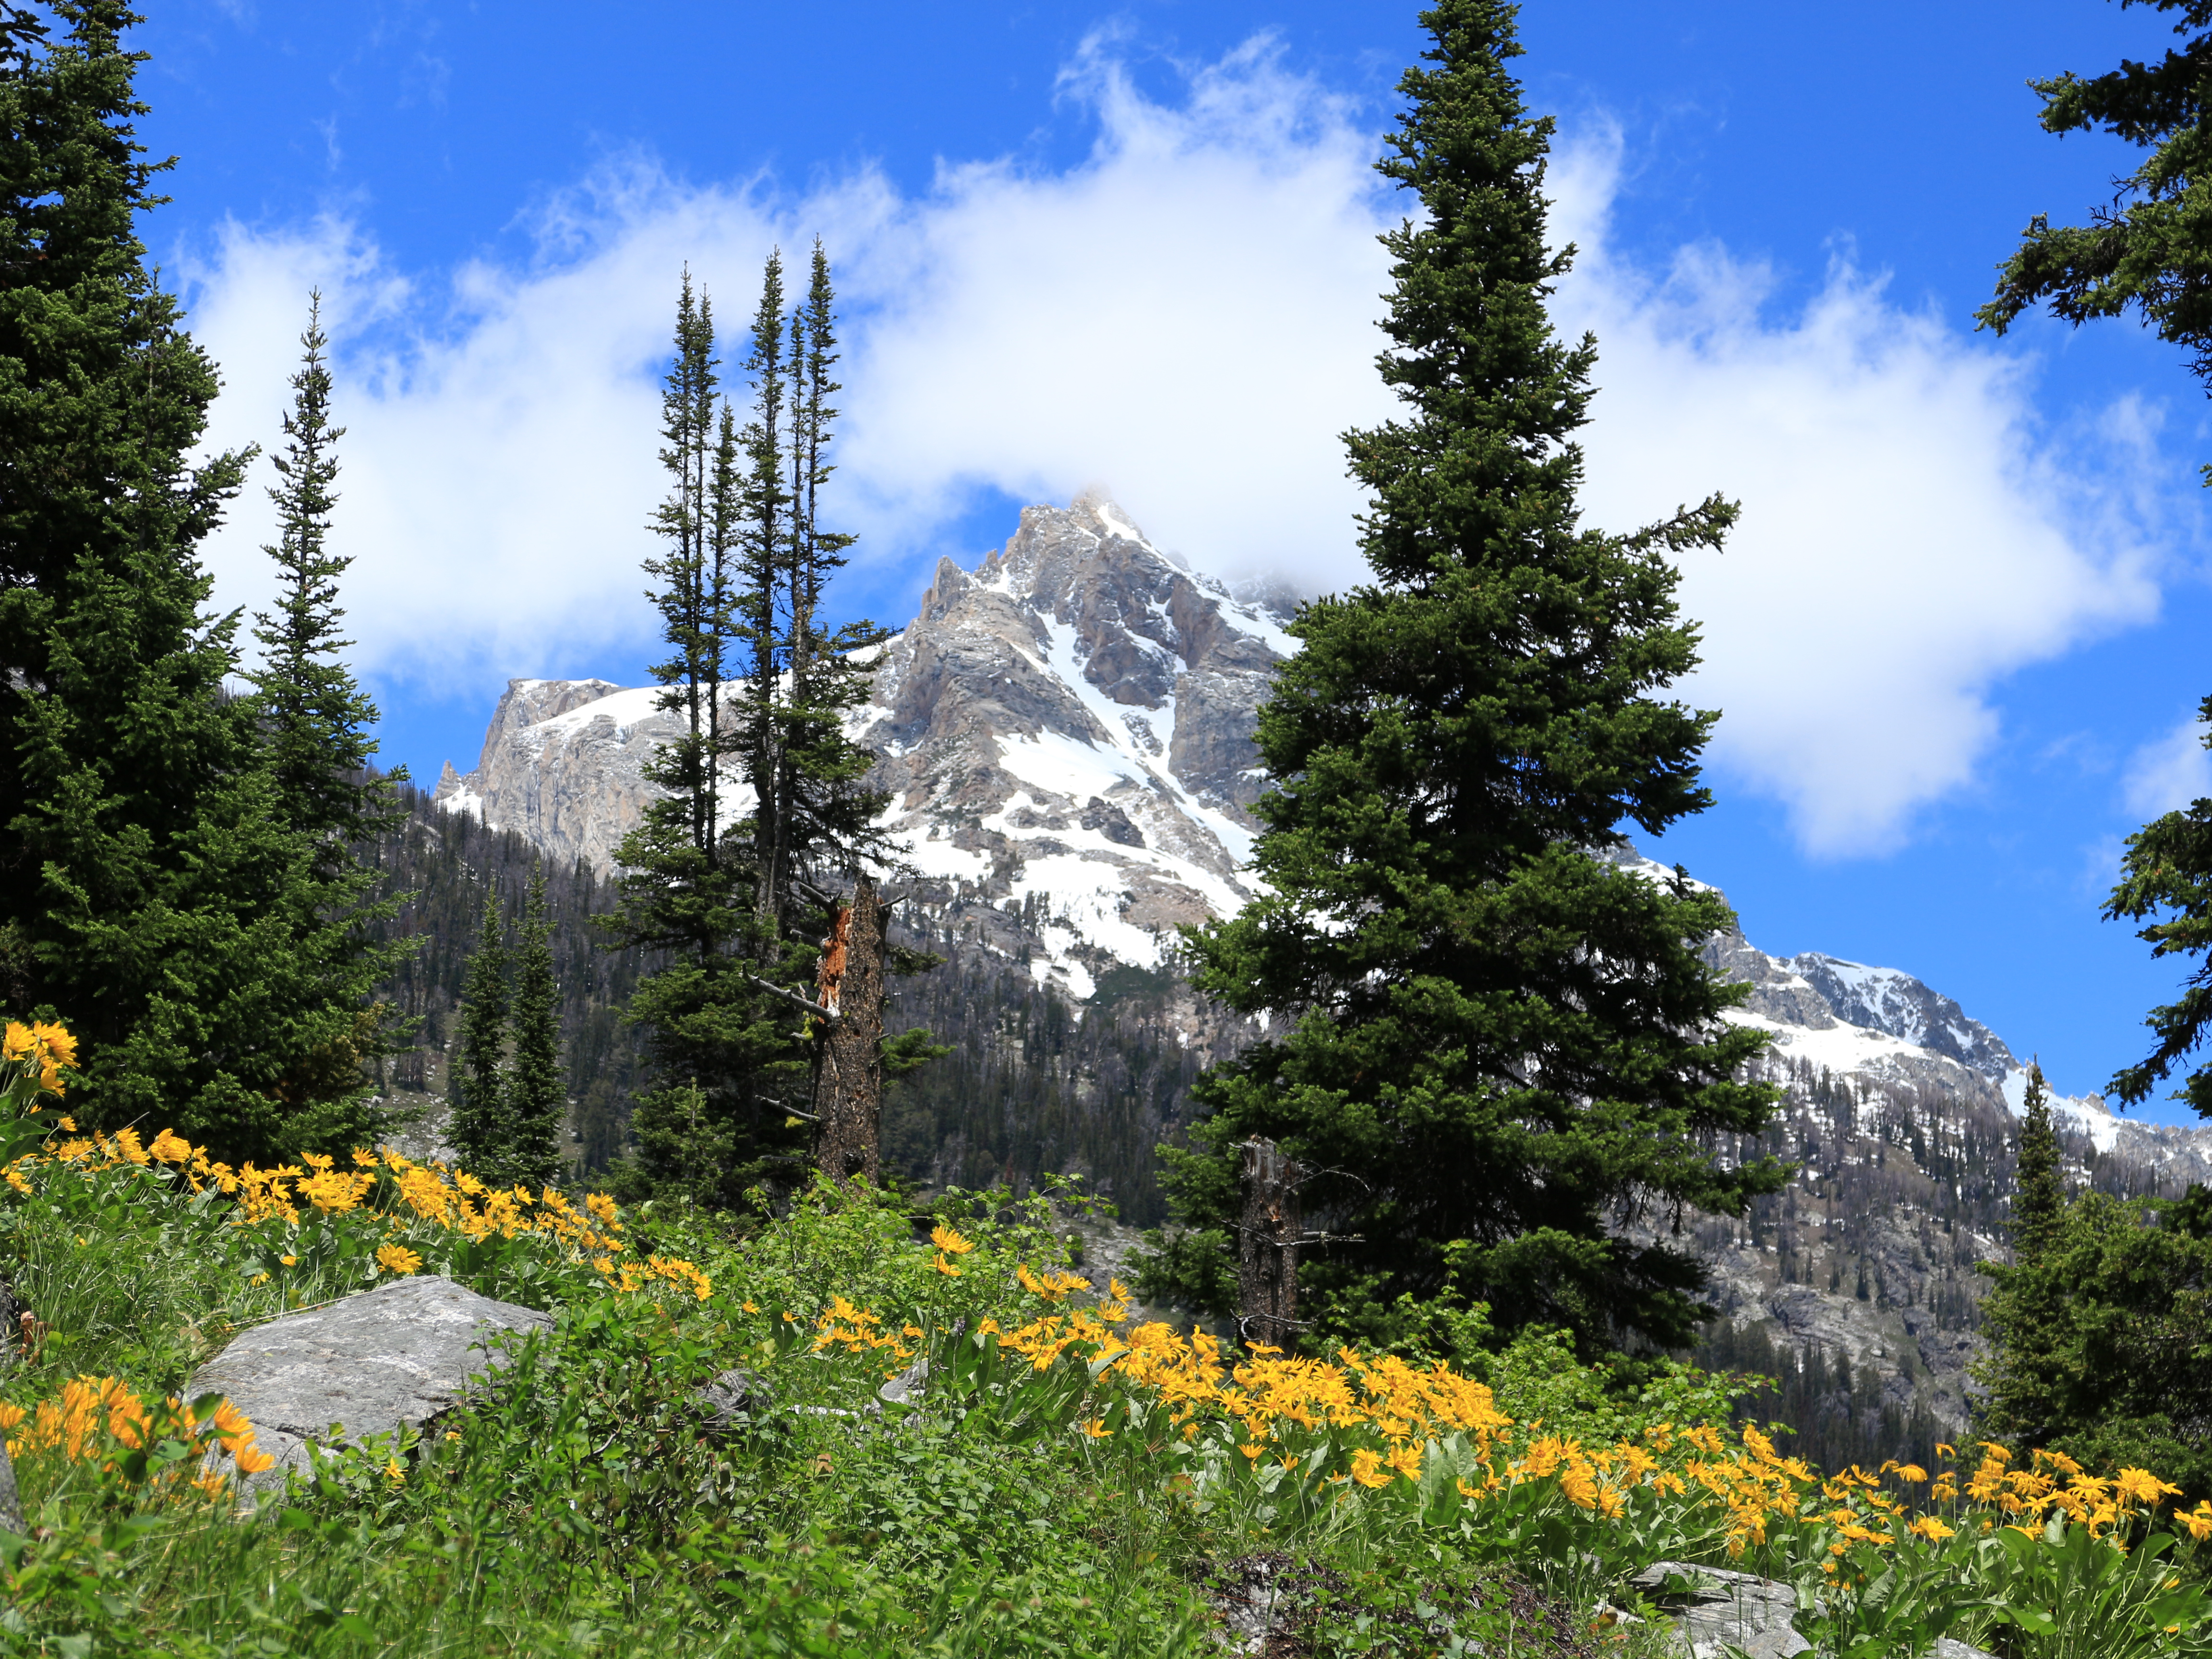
x=1957 y=641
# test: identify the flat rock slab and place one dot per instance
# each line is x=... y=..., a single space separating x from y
x=1728 y=1610
x=400 y=1354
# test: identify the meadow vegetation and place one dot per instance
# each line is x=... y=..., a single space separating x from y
x=1065 y=1481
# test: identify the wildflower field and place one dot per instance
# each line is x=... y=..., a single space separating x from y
x=1066 y=1480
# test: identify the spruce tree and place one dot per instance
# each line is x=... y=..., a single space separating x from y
x=2026 y=1315
x=717 y=1044
x=480 y=1127
x=314 y=722
x=2040 y=1195
x=765 y=542
x=829 y=813
x=2148 y=251
x=536 y=1101
x=1507 y=1051
x=155 y=889
x=2166 y=876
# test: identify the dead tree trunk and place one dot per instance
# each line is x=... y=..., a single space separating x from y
x=848 y=1075
x=1267 y=1246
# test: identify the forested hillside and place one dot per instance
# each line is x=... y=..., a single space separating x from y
x=438 y=863
x=1035 y=1083
x=1857 y=1287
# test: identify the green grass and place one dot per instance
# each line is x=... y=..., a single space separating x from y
x=577 y=1503
x=581 y=1502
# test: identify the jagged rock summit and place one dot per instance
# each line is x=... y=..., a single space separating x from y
x=1068 y=727
x=560 y=764
x=1066 y=734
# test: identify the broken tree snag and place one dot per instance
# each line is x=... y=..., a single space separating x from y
x=848 y=1071
x=1267 y=1246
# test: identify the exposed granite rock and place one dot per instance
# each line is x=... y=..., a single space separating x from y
x=1724 y=1611
x=400 y=1354
x=735 y=1397
x=561 y=762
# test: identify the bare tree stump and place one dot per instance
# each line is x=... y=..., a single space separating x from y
x=1267 y=1246
x=849 y=1076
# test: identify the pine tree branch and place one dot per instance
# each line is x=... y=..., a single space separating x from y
x=794 y=999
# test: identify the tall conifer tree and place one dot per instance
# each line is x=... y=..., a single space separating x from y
x=2027 y=1373
x=535 y=1100
x=1507 y=1050
x=480 y=1128
x=830 y=811
x=315 y=722
x=709 y=1125
x=154 y=885
x=2040 y=1201
x=769 y=523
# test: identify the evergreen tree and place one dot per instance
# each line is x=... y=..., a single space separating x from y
x=481 y=1128
x=535 y=1099
x=2166 y=875
x=829 y=812
x=717 y=1043
x=2098 y=1339
x=765 y=541
x=2150 y=251
x=154 y=888
x=2026 y=1315
x=315 y=722
x=1507 y=1047
x=2039 y=1195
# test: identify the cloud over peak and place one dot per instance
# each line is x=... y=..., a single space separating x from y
x=1188 y=311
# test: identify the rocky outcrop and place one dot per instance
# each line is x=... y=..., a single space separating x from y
x=562 y=762
x=1069 y=726
x=366 y=1364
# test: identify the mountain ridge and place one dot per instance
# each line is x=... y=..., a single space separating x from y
x=1066 y=731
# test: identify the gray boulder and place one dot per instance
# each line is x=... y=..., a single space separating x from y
x=735 y=1397
x=398 y=1354
x=906 y=1387
x=1724 y=1610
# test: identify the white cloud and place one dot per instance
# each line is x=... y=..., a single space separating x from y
x=1186 y=315
x=2169 y=773
x=1906 y=542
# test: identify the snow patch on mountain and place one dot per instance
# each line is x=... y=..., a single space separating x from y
x=1066 y=731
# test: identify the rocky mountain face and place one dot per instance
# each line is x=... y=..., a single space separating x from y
x=562 y=764
x=1066 y=732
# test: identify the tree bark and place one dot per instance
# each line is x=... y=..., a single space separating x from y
x=1267 y=1246
x=849 y=1077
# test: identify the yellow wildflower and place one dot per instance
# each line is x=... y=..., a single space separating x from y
x=2142 y=1486
x=1367 y=1468
x=397 y=1259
